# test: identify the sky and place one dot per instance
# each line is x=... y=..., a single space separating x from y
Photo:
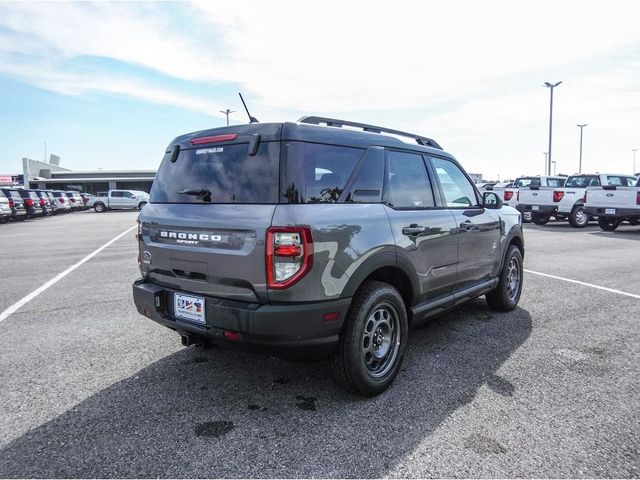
x=108 y=85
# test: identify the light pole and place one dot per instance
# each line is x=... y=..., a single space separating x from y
x=227 y=112
x=554 y=166
x=551 y=86
x=580 y=161
x=545 y=160
x=634 y=160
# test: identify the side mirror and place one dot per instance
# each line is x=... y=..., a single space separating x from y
x=491 y=200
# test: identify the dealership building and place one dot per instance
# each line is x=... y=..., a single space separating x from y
x=37 y=174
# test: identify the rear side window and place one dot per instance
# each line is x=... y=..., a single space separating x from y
x=317 y=173
x=583 y=181
x=621 y=181
x=409 y=186
x=223 y=174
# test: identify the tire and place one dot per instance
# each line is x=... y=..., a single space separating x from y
x=526 y=217
x=579 y=218
x=141 y=204
x=373 y=341
x=540 y=218
x=99 y=207
x=608 y=224
x=634 y=221
x=506 y=295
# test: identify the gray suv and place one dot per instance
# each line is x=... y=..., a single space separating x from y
x=320 y=239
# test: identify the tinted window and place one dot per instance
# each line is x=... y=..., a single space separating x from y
x=117 y=194
x=621 y=181
x=555 y=182
x=583 y=181
x=409 y=185
x=225 y=174
x=316 y=173
x=457 y=189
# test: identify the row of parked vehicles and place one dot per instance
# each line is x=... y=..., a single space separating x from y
x=609 y=198
x=18 y=204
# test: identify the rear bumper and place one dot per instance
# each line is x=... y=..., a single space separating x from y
x=548 y=209
x=620 y=212
x=287 y=330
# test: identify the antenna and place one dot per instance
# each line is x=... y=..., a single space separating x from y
x=251 y=119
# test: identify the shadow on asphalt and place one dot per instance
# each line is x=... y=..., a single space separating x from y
x=224 y=413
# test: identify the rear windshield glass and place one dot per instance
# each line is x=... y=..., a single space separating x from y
x=583 y=181
x=555 y=182
x=220 y=174
x=317 y=173
x=527 y=182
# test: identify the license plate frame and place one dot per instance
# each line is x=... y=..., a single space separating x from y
x=190 y=308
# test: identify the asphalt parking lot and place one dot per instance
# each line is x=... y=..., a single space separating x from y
x=92 y=389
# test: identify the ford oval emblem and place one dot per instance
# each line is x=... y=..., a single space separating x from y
x=535 y=194
x=146 y=255
x=609 y=194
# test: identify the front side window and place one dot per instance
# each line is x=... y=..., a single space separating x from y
x=457 y=189
x=409 y=186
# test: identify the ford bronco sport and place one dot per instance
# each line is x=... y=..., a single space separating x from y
x=319 y=239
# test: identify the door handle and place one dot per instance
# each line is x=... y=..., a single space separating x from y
x=413 y=229
x=467 y=225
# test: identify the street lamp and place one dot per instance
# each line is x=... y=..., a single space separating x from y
x=580 y=162
x=554 y=166
x=551 y=86
x=545 y=160
x=227 y=112
x=634 y=160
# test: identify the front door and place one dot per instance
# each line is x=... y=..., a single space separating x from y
x=424 y=234
x=479 y=229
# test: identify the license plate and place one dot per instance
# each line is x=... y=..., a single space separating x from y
x=535 y=207
x=189 y=308
x=610 y=211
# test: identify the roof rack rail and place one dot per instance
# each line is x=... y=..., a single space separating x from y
x=333 y=122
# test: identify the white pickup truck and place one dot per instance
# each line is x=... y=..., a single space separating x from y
x=119 y=200
x=614 y=204
x=510 y=193
x=565 y=203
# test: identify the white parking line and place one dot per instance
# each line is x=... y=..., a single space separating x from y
x=619 y=292
x=60 y=276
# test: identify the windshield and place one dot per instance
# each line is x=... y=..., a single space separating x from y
x=221 y=174
x=583 y=181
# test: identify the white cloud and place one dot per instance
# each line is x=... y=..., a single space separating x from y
x=467 y=73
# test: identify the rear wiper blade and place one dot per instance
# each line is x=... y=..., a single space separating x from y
x=198 y=192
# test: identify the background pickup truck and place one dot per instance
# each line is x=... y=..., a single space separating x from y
x=614 y=204
x=119 y=200
x=566 y=203
x=510 y=193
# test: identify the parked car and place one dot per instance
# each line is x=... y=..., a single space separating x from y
x=45 y=203
x=308 y=239
x=5 y=209
x=31 y=202
x=119 y=200
x=510 y=193
x=16 y=203
x=614 y=204
x=86 y=198
x=63 y=201
x=566 y=203
x=76 y=200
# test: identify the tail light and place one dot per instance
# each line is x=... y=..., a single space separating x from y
x=518 y=196
x=42 y=202
x=507 y=195
x=289 y=255
x=28 y=202
x=585 y=197
x=227 y=137
x=638 y=198
x=557 y=195
x=72 y=199
x=11 y=203
x=139 y=233
x=61 y=199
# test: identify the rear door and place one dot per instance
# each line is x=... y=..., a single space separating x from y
x=479 y=229
x=205 y=226
x=424 y=233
